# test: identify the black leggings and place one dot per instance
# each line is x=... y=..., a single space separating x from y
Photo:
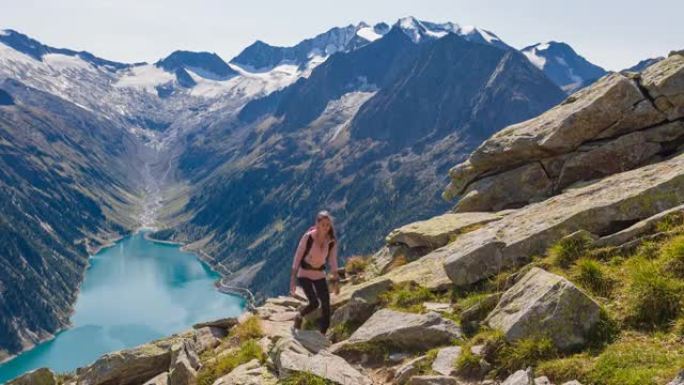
x=316 y=291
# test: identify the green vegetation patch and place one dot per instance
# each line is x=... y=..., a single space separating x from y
x=216 y=366
x=304 y=378
x=634 y=360
x=407 y=297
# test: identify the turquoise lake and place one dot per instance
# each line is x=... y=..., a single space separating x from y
x=134 y=292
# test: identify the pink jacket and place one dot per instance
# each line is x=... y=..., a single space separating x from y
x=316 y=257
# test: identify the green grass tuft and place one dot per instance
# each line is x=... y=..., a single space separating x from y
x=249 y=329
x=567 y=250
x=672 y=255
x=592 y=276
x=407 y=297
x=216 y=367
x=653 y=299
x=304 y=378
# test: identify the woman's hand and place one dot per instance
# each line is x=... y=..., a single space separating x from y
x=293 y=289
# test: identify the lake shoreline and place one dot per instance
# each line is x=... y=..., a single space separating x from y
x=108 y=242
x=145 y=233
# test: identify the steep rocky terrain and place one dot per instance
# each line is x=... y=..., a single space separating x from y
x=583 y=284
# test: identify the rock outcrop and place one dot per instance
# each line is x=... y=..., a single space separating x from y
x=129 y=366
x=542 y=304
x=42 y=376
x=602 y=208
x=617 y=124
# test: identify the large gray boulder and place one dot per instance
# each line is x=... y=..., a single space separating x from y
x=542 y=304
x=602 y=208
x=42 y=376
x=130 y=366
x=399 y=330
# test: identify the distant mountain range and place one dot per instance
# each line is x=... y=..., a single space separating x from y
x=362 y=120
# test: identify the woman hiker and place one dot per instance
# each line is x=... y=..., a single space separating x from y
x=316 y=247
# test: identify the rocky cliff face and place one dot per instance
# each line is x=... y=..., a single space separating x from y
x=580 y=285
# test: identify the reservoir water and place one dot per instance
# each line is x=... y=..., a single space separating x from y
x=134 y=292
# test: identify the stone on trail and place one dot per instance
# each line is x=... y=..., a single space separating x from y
x=521 y=377
x=542 y=304
x=405 y=371
x=312 y=340
x=444 y=362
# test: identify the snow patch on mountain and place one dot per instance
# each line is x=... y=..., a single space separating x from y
x=60 y=62
x=368 y=33
x=534 y=57
x=144 y=77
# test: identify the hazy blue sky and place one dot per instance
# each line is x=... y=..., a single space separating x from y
x=614 y=34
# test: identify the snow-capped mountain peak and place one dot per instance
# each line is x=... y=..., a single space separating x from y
x=563 y=65
x=420 y=30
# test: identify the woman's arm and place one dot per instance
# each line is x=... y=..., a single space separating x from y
x=334 y=268
x=299 y=254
